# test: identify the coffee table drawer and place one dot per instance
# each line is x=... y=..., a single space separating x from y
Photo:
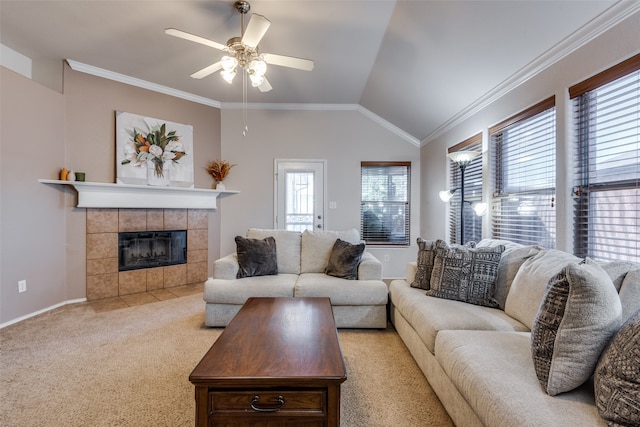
x=271 y=401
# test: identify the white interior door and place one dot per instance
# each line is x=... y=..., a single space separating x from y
x=299 y=194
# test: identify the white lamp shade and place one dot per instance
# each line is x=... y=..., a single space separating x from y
x=229 y=63
x=228 y=75
x=445 y=195
x=463 y=157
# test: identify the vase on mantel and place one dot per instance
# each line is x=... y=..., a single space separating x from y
x=158 y=173
x=219 y=186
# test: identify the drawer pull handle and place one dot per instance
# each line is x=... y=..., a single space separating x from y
x=255 y=400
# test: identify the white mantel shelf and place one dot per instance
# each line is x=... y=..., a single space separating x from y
x=108 y=195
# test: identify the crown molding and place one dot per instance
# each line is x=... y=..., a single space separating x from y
x=122 y=78
x=596 y=27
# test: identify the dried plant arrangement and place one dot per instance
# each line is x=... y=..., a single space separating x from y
x=219 y=169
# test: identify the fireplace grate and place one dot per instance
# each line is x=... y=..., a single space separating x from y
x=149 y=249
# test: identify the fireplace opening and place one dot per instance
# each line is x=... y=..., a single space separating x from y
x=148 y=249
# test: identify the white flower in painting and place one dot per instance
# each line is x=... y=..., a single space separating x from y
x=172 y=149
x=155 y=151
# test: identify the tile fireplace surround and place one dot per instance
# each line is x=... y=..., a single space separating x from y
x=103 y=226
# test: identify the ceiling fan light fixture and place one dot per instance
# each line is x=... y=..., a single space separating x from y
x=258 y=66
x=256 y=80
x=229 y=63
x=228 y=75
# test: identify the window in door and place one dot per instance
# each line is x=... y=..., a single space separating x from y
x=300 y=195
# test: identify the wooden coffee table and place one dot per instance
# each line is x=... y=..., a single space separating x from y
x=277 y=363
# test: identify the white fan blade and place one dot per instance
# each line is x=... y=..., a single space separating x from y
x=289 y=61
x=257 y=27
x=207 y=70
x=265 y=86
x=192 y=37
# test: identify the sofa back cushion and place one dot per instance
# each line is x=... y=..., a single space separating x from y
x=530 y=283
x=630 y=294
x=287 y=247
x=317 y=245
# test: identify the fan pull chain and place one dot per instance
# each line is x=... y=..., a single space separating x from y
x=244 y=105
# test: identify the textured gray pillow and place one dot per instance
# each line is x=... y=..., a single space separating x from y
x=426 y=258
x=579 y=314
x=465 y=274
x=344 y=260
x=617 y=377
x=256 y=257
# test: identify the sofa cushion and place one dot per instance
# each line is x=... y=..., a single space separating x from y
x=630 y=294
x=429 y=315
x=341 y=291
x=316 y=247
x=344 y=260
x=256 y=257
x=578 y=316
x=618 y=270
x=530 y=283
x=287 y=247
x=617 y=376
x=426 y=258
x=494 y=373
x=510 y=262
x=237 y=291
x=465 y=274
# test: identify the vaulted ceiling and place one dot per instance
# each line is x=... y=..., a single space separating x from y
x=416 y=64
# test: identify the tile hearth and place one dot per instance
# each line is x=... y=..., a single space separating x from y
x=103 y=226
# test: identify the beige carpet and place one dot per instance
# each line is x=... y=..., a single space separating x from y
x=74 y=366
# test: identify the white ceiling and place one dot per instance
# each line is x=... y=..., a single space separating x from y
x=416 y=64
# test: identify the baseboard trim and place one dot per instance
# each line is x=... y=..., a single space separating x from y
x=44 y=310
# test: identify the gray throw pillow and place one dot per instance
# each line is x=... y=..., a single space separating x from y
x=465 y=274
x=617 y=377
x=256 y=257
x=426 y=258
x=344 y=260
x=579 y=314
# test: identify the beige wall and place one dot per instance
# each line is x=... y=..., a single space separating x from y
x=615 y=45
x=42 y=131
x=32 y=215
x=342 y=138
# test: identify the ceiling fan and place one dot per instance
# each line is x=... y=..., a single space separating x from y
x=243 y=52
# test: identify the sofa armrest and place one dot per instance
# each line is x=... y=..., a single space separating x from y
x=226 y=267
x=370 y=268
x=412 y=268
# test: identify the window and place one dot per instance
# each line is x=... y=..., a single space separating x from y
x=472 y=193
x=607 y=172
x=524 y=161
x=384 y=211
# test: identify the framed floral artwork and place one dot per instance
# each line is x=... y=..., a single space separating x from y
x=153 y=152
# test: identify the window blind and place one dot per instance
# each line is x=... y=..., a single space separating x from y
x=607 y=169
x=385 y=207
x=472 y=193
x=523 y=150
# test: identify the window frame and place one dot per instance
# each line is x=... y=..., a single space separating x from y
x=406 y=239
x=591 y=196
x=507 y=225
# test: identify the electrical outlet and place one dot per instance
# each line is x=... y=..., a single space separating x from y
x=22 y=286
x=386 y=258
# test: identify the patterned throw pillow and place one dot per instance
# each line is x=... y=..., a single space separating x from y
x=465 y=274
x=579 y=314
x=617 y=376
x=256 y=257
x=426 y=258
x=344 y=260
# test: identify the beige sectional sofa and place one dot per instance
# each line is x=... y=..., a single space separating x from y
x=301 y=261
x=478 y=359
